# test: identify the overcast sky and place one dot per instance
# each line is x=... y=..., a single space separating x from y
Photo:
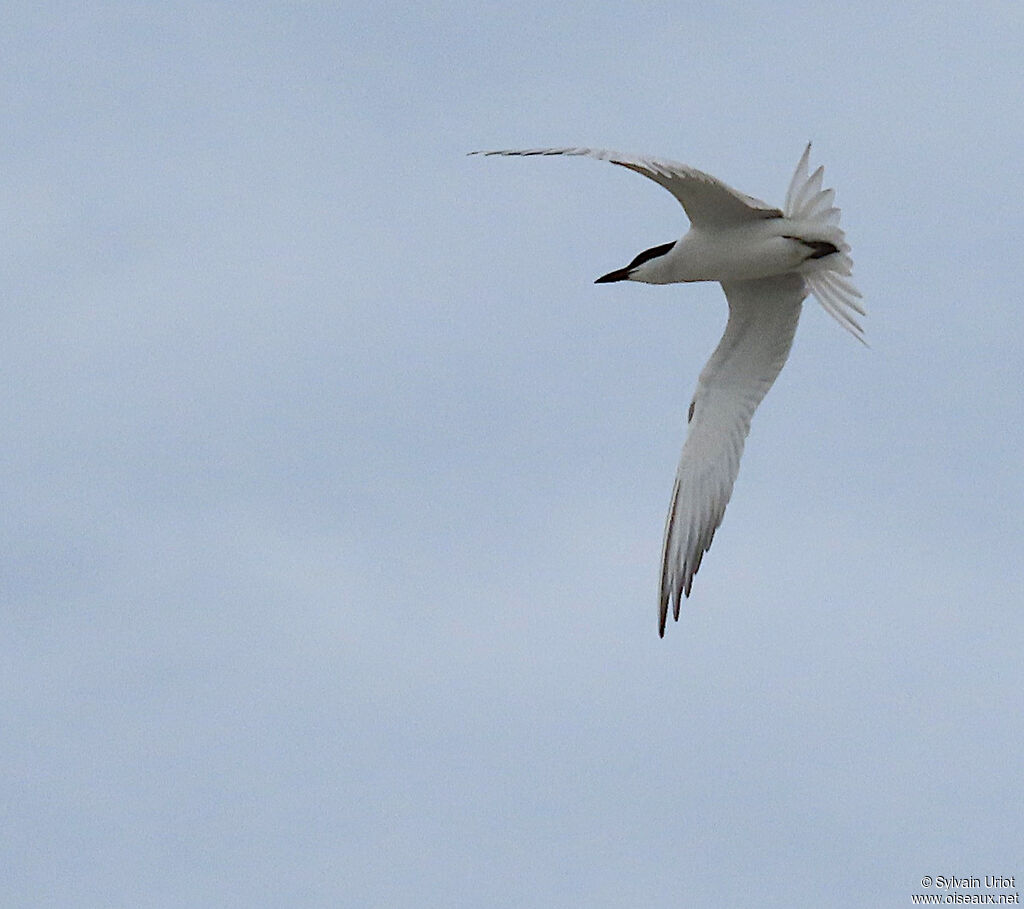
x=333 y=489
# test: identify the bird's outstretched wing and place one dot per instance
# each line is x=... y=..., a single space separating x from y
x=707 y=200
x=763 y=315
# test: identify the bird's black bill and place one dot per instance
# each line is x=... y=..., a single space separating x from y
x=622 y=274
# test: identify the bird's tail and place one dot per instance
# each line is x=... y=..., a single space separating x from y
x=829 y=281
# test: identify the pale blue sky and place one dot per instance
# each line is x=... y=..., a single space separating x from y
x=334 y=489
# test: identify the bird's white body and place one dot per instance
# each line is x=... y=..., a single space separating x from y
x=760 y=249
x=767 y=260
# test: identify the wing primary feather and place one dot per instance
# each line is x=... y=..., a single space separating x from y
x=799 y=178
x=763 y=315
x=807 y=191
x=834 y=307
x=706 y=199
x=843 y=290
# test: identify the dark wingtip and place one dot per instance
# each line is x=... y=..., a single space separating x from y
x=821 y=248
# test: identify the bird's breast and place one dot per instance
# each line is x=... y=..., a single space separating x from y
x=758 y=250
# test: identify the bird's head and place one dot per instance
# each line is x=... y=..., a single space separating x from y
x=646 y=267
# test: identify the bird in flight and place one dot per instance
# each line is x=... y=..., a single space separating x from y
x=767 y=260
